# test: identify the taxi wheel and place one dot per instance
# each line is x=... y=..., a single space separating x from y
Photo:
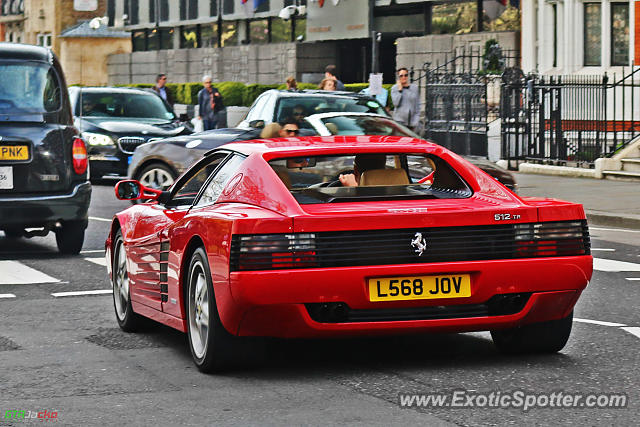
x=543 y=337
x=127 y=319
x=70 y=237
x=212 y=347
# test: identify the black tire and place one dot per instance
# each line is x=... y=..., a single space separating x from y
x=212 y=348
x=13 y=233
x=70 y=237
x=155 y=175
x=127 y=319
x=543 y=337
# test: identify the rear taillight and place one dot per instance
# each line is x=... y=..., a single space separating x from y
x=550 y=239
x=274 y=251
x=79 y=155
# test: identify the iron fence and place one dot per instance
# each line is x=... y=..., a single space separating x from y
x=567 y=120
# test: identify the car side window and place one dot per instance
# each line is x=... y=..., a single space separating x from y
x=256 y=109
x=219 y=181
x=51 y=94
x=186 y=192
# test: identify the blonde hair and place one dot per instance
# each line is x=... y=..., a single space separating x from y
x=325 y=81
x=291 y=82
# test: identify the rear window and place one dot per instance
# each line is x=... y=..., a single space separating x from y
x=309 y=105
x=28 y=88
x=365 y=125
x=369 y=177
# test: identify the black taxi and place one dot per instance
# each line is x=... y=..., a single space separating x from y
x=43 y=159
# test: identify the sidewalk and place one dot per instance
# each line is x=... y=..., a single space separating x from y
x=606 y=202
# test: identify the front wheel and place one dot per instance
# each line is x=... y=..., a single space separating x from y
x=212 y=347
x=542 y=337
x=70 y=237
x=127 y=319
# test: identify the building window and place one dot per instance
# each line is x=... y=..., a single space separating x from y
x=139 y=41
x=263 y=6
x=152 y=11
x=213 y=8
x=43 y=39
x=190 y=37
x=259 y=31
x=619 y=33
x=111 y=12
x=229 y=33
x=299 y=28
x=166 y=38
x=133 y=17
x=153 y=39
x=592 y=34
x=555 y=35
x=280 y=30
x=227 y=7
x=164 y=10
x=209 y=35
x=188 y=9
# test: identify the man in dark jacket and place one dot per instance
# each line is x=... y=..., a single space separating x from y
x=161 y=89
x=210 y=105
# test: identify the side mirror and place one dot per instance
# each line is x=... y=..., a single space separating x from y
x=257 y=124
x=132 y=190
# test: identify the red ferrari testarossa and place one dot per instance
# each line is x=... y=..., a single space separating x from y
x=345 y=236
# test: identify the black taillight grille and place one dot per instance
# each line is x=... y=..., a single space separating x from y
x=382 y=247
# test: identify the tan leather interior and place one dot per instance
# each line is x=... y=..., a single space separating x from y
x=384 y=177
x=271 y=130
x=283 y=174
x=331 y=127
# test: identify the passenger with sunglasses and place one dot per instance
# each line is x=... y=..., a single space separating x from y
x=289 y=127
x=406 y=100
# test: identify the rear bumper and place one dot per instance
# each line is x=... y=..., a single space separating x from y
x=108 y=165
x=273 y=303
x=42 y=210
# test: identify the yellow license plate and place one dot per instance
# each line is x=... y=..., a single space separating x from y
x=419 y=287
x=14 y=152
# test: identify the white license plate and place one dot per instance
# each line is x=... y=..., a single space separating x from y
x=6 y=177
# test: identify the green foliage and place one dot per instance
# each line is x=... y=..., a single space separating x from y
x=190 y=92
x=233 y=93
x=492 y=61
x=355 y=87
x=253 y=91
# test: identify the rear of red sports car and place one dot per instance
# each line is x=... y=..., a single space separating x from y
x=465 y=255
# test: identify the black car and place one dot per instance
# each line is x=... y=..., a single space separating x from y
x=278 y=105
x=114 y=121
x=43 y=160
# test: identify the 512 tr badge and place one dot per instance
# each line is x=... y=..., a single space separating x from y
x=505 y=217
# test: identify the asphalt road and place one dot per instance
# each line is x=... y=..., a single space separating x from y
x=67 y=354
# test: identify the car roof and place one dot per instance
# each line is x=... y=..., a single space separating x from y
x=332 y=144
x=111 y=89
x=25 y=52
x=347 y=114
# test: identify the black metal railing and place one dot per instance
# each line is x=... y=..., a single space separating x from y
x=568 y=120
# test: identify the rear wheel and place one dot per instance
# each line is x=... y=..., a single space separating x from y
x=127 y=319
x=70 y=237
x=212 y=347
x=543 y=337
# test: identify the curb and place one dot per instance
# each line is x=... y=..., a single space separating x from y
x=533 y=168
x=613 y=220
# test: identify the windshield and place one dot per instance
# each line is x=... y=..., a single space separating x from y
x=365 y=125
x=28 y=88
x=369 y=177
x=302 y=106
x=124 y=105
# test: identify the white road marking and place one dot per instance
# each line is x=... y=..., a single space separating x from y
x=7 y=296
x=633 y=278
x=93 y=251
x=598 y=322
x=16 y=273
x=624 y=230
x=100 y=261
x=635 y=330
x=602 y=250
x=613 y=266
x=95 y=218
x=78 y=293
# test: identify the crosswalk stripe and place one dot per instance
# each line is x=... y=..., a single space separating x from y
x=16 y=273
x=613 y=266
x=597 y=322
x=100 y=261
x=7 y=296
x=94 y=218
x=635 y=330
x=633 y=278
x=78 y=293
